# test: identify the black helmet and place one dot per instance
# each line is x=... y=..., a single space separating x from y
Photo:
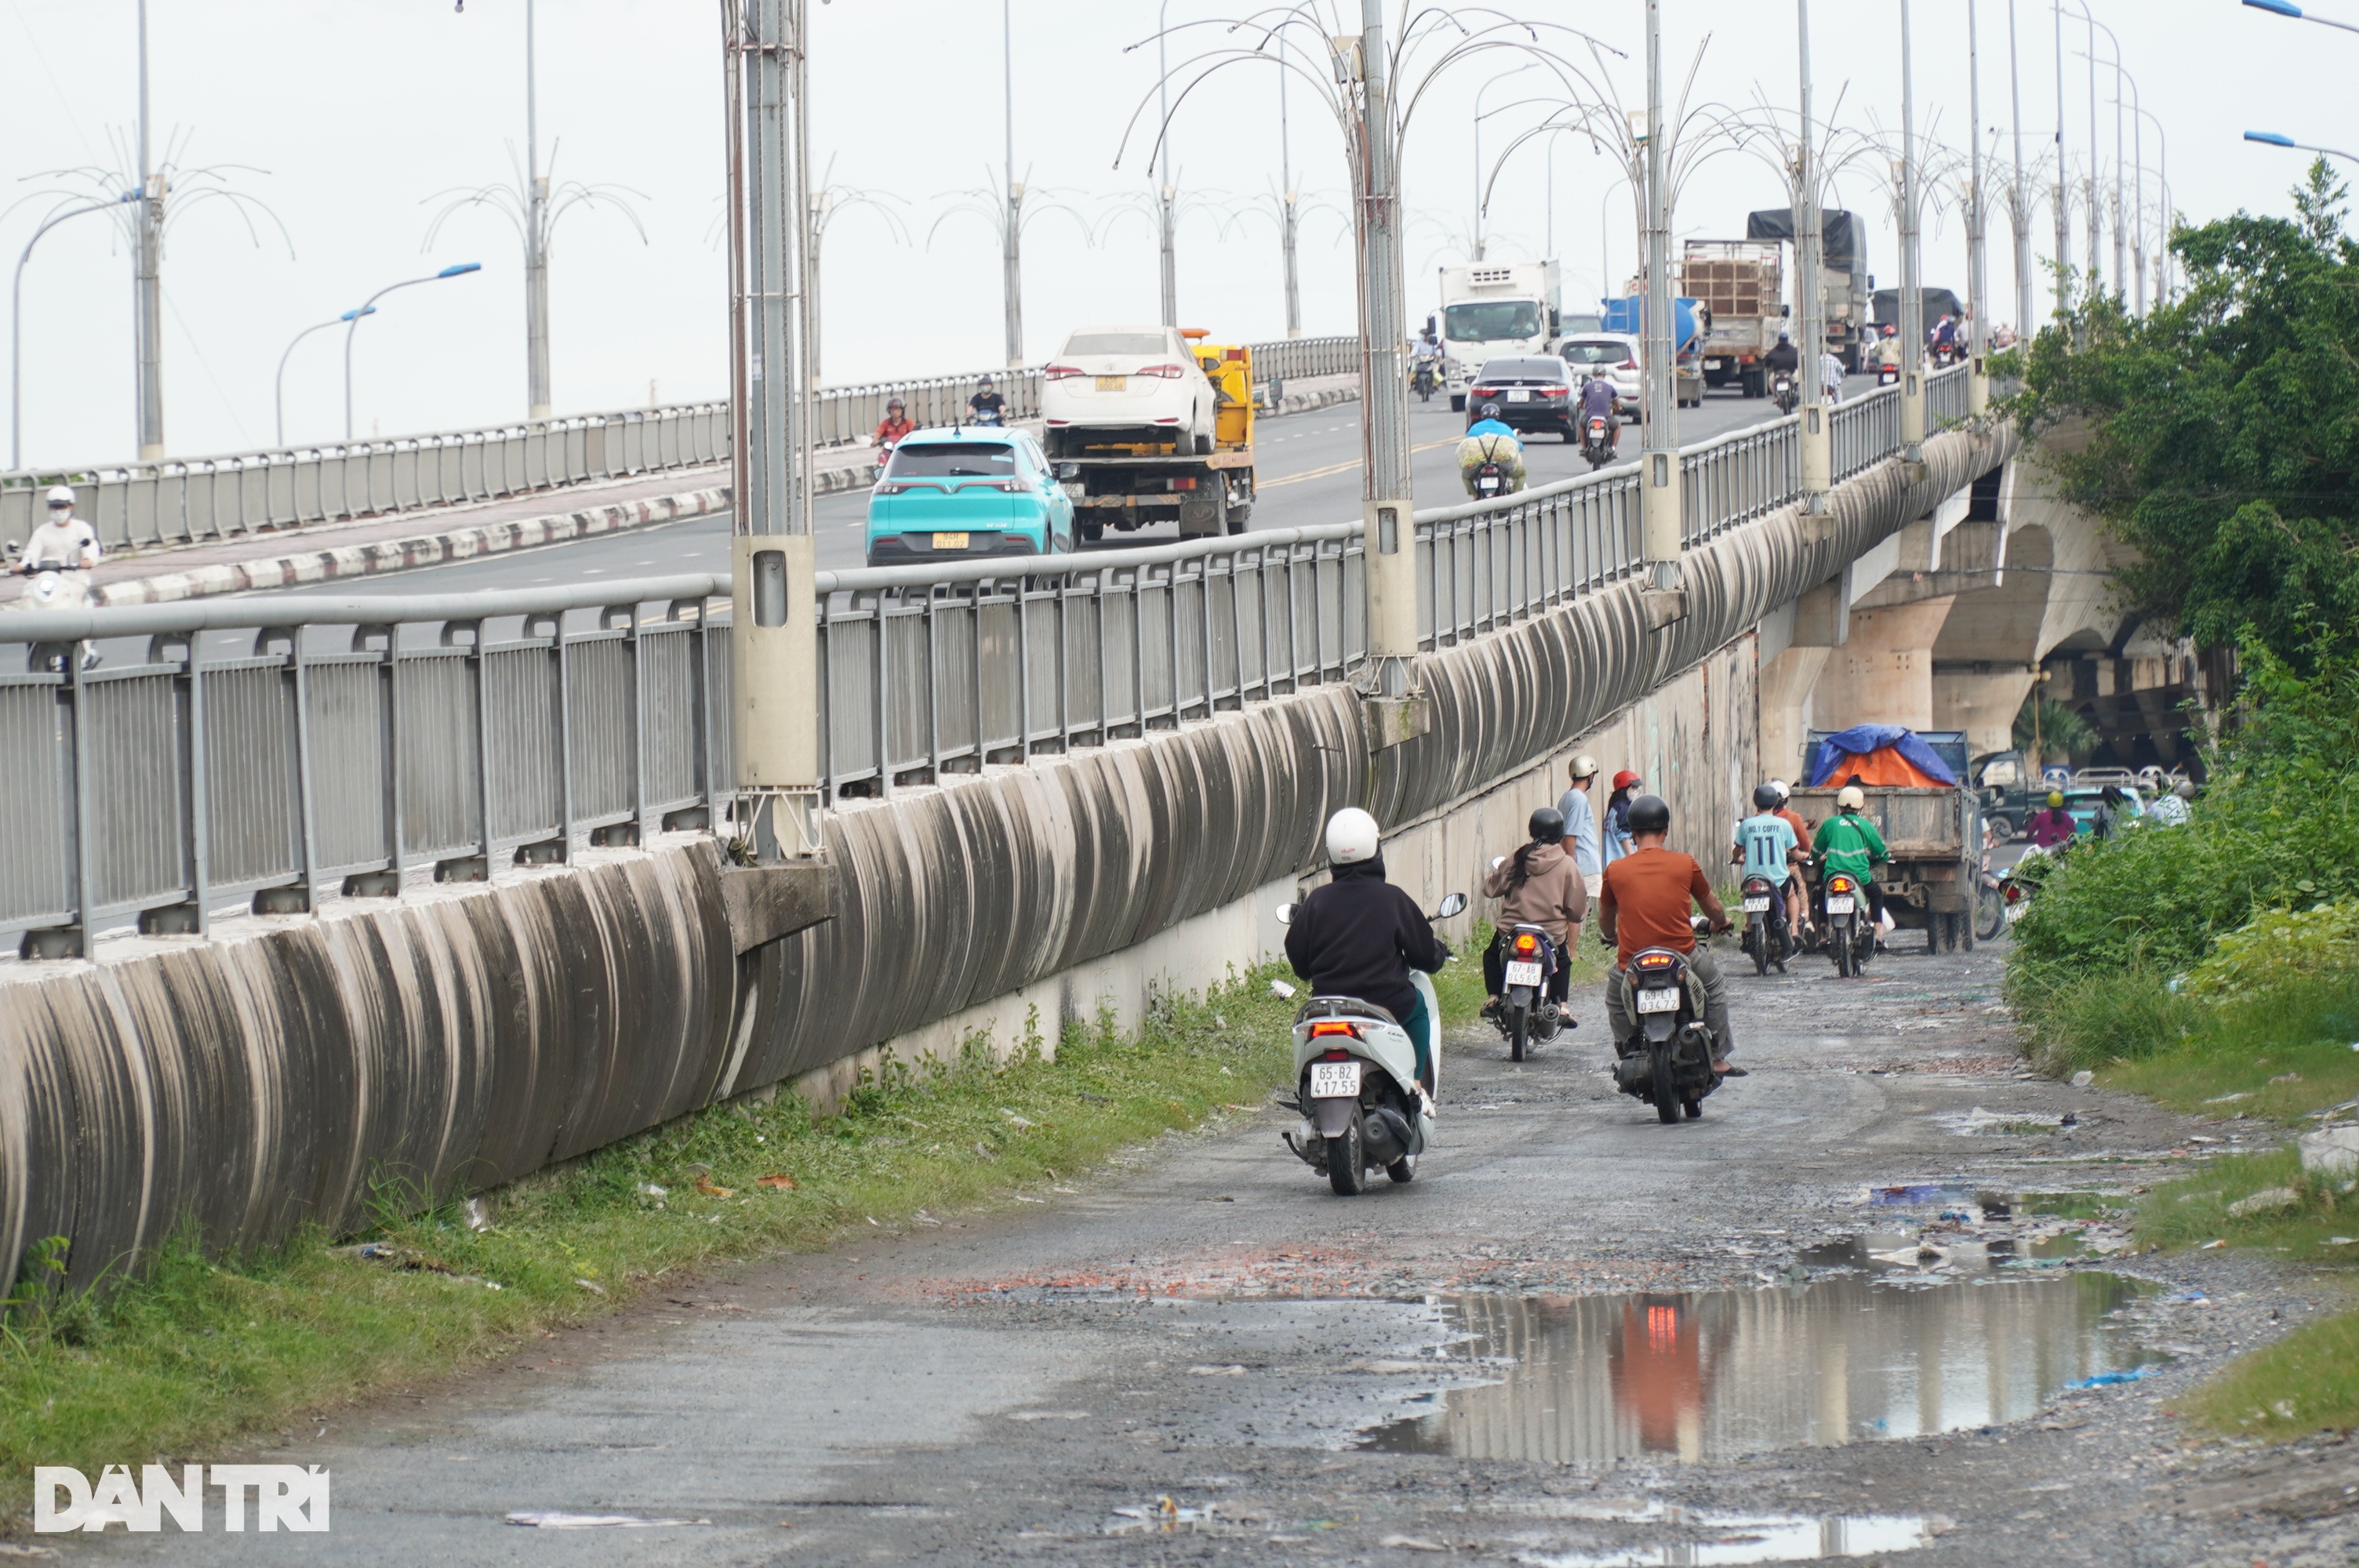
x=1765 y=797
x=1649 y=814
x=1546 y=825
x=1784 y=338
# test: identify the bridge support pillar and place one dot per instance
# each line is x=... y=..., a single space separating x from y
x=1884 y=671
x=1981 y=700
x=1818 y=475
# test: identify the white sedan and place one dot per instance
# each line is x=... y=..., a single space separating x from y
x=1127 y=385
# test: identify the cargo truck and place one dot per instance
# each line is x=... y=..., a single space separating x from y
x=1844 y=282
x=1496 y=310
x=1125 y=484
x=1740 y=283
x=1934 y=832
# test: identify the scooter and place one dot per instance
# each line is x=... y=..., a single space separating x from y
x=1851 y=926
x=1667 y=1060
x=1355 y=1083
x=1489 y=480
x=61 y=587
x=1767 y=938
x=1782 y=391
x=1887 y=375
x=1527 y=1014
x=988 y=418
x=1598 y=447
x=1423 y=381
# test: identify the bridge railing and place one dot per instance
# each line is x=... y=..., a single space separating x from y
x=181 y=501
x=280 y=747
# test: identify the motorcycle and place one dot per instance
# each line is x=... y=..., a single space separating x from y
x=1887 y=375
x=1850 y=922
x=1355 y=1083
x=1423 y=381
x=1946 y=354
x=1598 y=448
x=986 y=417
x=1528 y=1015
x=1488 y=480
x=1667 y=1060
x=1782 y=390
x=1767 y=938
x=61 y=587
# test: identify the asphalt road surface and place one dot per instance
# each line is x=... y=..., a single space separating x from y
x=1828 y=1319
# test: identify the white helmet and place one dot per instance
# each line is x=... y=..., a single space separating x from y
x=1784 y=793
x=1584 y=766
x=61 y=496
x=1852 y=798
x=1351 y=837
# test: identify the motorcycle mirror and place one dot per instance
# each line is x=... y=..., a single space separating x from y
x=1455 y=903
x=1698 y=925
x=1069 y=470
x=1285 y=915
x=1499 y=860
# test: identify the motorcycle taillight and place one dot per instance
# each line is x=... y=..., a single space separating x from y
x=1526 y=943
x=1332 y=1026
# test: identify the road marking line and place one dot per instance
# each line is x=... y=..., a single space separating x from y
x=1335 y=468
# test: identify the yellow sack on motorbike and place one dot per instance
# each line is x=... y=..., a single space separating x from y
x=1504 y=450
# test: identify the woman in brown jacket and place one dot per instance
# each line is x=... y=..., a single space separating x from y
x=1538 y=885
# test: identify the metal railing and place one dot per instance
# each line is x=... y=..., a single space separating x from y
x=181 y=501
x=281 y=746
x=1865 y=430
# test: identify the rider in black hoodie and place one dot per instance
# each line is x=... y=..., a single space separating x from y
x=1359 y=935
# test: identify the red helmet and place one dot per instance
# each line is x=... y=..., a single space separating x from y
x=1625 y=778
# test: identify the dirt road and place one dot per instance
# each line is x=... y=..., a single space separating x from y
x=1836 y=1317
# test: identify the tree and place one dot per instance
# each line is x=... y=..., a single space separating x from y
x=2219 y=435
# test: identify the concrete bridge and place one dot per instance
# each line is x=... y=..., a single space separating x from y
x=466 y=1030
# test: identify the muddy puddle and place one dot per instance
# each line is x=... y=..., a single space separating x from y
x=1728 y=1539
x=1709 y=1375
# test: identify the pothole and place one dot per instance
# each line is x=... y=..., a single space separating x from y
x=1730 y=1538
x=1709 y=1375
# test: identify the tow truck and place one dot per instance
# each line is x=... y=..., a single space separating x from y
x=1128 y=486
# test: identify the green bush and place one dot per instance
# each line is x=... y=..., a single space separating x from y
x=2278 y=947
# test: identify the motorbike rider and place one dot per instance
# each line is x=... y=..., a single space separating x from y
x=1647 y=893
x=1539 y=885
x=1613 y=832
x=2171 y=808
x=895 y=425
x=1580 y=838
x=1785 y=357
x=1490 y=440
x=986 y=399
x=2052 y=827
x=1848 y=843
x=1798 y=903
x=64 y=542
x=1600 y=400
x=1945 y=336
x=1359 y=935
x=1768 y=846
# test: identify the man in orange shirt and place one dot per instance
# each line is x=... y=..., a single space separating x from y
x=1645 y=904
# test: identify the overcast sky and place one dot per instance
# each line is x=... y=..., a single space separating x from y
x=347 y=120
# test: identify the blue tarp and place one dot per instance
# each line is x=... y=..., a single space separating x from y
x=1861 y=739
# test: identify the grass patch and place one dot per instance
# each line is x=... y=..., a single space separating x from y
x=198 y=1352
x=2305 y=1382
x=2194 y=1209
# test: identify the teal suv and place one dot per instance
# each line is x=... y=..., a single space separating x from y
x=971 y=492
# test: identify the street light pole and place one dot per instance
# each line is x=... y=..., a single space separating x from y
x=1011 y=282
x=149 y=300
x=2063 y=187
x=1165 y=198
x=1977 y=219
x=1817 y=445
x=1660 y=522
x=2162 y=213
x=1289 y=214
x=774 y=639
x=368 y=308
x=1912 y=298
x=16 y=322
x=1479 y=202
x=536 y=238
x=2096 y=210
x=1388 y=540
x=2019 y=208
x=279 y=396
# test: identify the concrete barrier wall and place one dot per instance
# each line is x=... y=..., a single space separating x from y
x=282 y=1071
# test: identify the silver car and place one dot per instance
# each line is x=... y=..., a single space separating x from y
x=1616 y=355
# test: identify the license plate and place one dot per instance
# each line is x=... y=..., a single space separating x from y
x=2014 y=912
x=950 y=541
x=1664 y=1000
x=1841 y=905
x=1757 y=906
x=1112 y=382
x=1711 y=364
x=1522 y=974
x=1519 y=395
x=1334 y=1080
